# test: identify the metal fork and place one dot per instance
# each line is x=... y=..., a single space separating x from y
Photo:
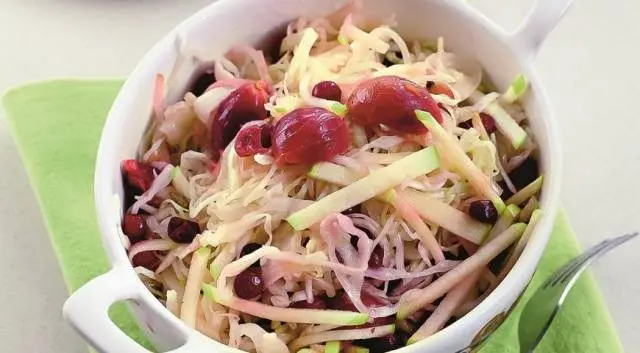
x=540 y=310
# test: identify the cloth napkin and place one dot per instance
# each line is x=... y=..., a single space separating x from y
x=56 y=125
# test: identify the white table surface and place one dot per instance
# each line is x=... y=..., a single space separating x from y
x=590 y=66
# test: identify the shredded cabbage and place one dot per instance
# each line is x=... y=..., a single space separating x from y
x=391 y=255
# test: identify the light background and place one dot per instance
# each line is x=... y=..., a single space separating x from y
x=590 y=65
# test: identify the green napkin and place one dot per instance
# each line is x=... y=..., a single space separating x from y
x=57 y=124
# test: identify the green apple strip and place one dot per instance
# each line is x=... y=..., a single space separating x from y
x=224 y=257
x=172 y=302
x=430 y=209
x=339 y=109
x=197 y=270
x=332 y=173
x=410 y=215
x=341 y=335
x=437 y=212
x=446 y=308
x=517 y=250
x=513 y=255
x=453 y=300
x=332 y=347
x=504 y=122
x=516 y=90
x=420 y=298
x=340 y=175
x=381 y=158
x=379 y=181
x=301 y=56
x=507 y=218
x=273 y=313
x=180 y=182
x=523 y=195
x=449 y=147
x=528 y=209
x=354 y=349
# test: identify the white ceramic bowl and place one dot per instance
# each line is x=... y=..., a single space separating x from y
x=226 y=23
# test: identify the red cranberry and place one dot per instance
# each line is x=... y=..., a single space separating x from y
x=135 y=227
x=202 y=82
x=317 y=303
x=253 y=139
x=391 y=101
x=309 y=135
x=375 y=261
x=182 y=230
x=489 y=123
x=138 y=175
x=265 y=135
x=328 y=90
x=248 y=284
x=484 y=211
x=244 y=104
x=146 y=259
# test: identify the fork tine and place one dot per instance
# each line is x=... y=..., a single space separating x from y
x=597 y=251
x=569 y=269
x=542 y=307
x=570 y=266
x=578 y=261
x=624 y=238
x=550 y=281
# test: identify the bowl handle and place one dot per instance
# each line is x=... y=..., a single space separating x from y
x=541 y=20
x=87 y=310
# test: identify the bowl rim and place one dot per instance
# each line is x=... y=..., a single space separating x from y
x=522 y=270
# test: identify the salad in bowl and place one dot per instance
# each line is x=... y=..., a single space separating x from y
x=348 y=190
